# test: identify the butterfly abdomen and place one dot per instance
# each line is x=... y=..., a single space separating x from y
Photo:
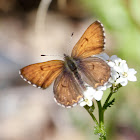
x=79 y=79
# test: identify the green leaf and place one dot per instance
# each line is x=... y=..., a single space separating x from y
x=109 y=104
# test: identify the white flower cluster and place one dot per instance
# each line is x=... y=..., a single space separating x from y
x=120 y=74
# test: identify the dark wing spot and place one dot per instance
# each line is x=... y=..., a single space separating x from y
x=41 y=68
x=92 y=66
x=86 y=39
x=63 y=86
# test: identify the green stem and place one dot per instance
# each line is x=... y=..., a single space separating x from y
x=91 y=114
x=107 y=100
x=99 y=128
x=101 y=117
x=102 y=132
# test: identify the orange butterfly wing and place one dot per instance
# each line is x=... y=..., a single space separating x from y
x=67 y=91
x=94 y=71
x=91 y=43
x=41 y=75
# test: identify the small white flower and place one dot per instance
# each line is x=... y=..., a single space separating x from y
x=126 y=75
x=104 y=56
x=111 y=64
x=131 y=75
x=102 y=87
x=86 y=102
x=108 y=85
x=123 y=73
x=114 y=76
x=93 y=93
x=120 y=65
x=114 y=58
x=88 y=97
x=122 y=81
x=114 y=61
x=98 y=95
x=89 y=94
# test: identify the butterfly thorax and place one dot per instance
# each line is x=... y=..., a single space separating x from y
x=70 y=65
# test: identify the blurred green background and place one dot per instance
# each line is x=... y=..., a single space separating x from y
x=27 y=31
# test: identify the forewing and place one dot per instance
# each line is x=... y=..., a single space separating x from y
x=67 y=91
x=94 y=70
x=41 y=75
x=91 y=43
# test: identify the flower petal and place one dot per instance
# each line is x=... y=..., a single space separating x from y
x=98 y=95
x=132 y=78
x=83 y=103
x=89 y=103
x=114 y=75
x=124 y=67
x=111 y=80
x=117 y=61
x=124 y=83
x=132 y=71
x=113 y=57
x=117 y=69
x=121 y=80
x=89 y=93
x=108 y=85
x=104 y=56
x=101 y=88
x=111 y=64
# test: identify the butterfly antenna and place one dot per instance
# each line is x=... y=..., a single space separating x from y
x=72 y=35
x=69 y=43
x=51 y=55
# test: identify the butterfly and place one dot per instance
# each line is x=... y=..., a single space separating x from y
x=71 y=74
